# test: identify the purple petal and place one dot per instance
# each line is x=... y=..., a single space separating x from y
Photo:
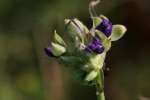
x=95 y=46
x=106 y=27
x=48 y=51
x=99 y=49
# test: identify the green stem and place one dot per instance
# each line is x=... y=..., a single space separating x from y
x=100 y=86
x=101 y=96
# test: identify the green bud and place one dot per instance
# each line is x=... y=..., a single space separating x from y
x=76 y=28
x=58 y=39
x=58 y=49
x=97 y=61
x=91 y=76
x=117 y=32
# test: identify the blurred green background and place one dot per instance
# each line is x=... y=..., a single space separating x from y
x=26 y=73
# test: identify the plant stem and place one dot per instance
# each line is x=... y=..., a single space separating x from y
x=101 y=96
x=100 y=86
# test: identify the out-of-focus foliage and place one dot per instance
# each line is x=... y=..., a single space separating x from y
x=27 y=74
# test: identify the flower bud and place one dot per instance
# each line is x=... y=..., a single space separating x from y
x=57 y=49
x=104 y=40
x=105 y=26
x=97 y=61
x=58 y=39
x=95 y=46
x=76 y=28
x=91 y=76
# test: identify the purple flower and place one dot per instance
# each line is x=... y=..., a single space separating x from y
x=48 y=51
x=105 y=26
x=95 y=46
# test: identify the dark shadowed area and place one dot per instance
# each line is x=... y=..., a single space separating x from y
x=26 y=73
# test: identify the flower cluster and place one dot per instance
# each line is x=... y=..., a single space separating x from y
x=85 y=50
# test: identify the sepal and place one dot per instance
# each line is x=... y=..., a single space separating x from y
x=57 y=49
x=91 y=76
x=58 y=39
x=96 y=61
x=117 y=32
x=96 y=21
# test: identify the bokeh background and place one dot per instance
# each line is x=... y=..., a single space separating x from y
x=26 y=73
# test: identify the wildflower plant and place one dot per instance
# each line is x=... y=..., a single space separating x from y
x=85 y=49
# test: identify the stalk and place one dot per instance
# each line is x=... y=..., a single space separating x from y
x=100 y=86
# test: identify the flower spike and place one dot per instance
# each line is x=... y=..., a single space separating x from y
x=84 y=50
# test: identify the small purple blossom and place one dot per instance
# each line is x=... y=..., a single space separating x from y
x=48 y=51
x=105 y=26
x=95 y=46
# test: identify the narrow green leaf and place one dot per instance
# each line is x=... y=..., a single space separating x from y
x=118 y=32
